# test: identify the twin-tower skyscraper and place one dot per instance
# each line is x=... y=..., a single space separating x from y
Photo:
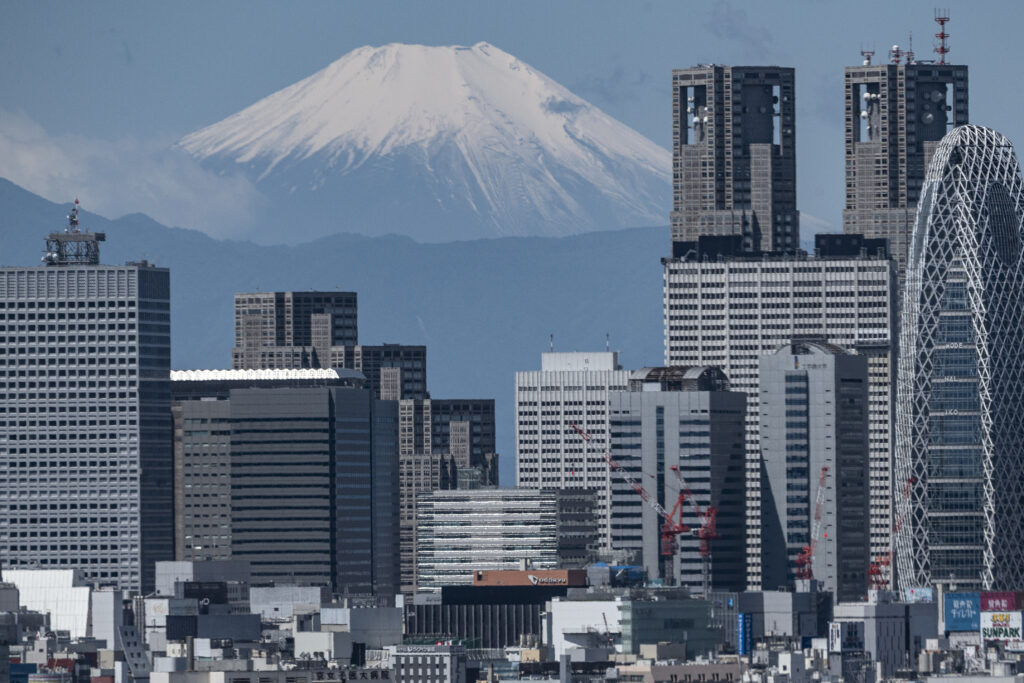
x=944 y=482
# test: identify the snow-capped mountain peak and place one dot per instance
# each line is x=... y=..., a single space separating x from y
x=475 y=132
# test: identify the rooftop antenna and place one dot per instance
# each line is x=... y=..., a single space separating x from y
x=551 y=346
x=910 y=49
x=867 y=55
x=607 y=342
x=895 y=54
x=941 y=17
x=73 y=219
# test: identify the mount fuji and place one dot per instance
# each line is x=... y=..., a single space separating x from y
x=440 y=144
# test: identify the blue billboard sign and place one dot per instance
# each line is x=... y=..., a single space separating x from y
x=745 y=625
x=962 y=611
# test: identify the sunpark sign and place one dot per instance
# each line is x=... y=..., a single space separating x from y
x=1002 y=626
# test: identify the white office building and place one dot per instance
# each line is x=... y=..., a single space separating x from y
x=85 y=421
x=724 y=308
x=570 y=388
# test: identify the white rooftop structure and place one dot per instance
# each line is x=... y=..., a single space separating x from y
x=263 y=374
x=60 y=592
x=576 y=361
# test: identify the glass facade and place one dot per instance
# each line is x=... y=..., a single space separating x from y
x=961 y=372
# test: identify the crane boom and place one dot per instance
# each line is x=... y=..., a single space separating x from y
x=805 y=560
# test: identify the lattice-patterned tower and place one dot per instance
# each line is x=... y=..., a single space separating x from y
x=960 y=394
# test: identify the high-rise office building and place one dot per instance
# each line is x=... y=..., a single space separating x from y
x=726 y=309
x=681 y=420
x=85 y=420
x=960 y=407
x=441 y=442
x=570 y=388
x=814 y=429
x=734 y=155
x=464 y=531
x=294 y=330
x=895 y=116
x=304 y=466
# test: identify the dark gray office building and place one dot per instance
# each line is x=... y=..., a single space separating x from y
x=734 y=155
x=85 y=421
x=308 y=462
x=685 y=420
x=896 y=114
x=814 y=427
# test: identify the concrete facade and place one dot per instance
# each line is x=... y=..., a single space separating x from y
x=85 y=418
x=734 y=155
x=814 y=416
x=895 y=115
x=726 y=310
x=681 y=420
x=570 y=388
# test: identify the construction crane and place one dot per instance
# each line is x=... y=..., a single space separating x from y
x=608 y=632
x=672 y=525
x=708 y=529
x=877 y=569
x=805 y=560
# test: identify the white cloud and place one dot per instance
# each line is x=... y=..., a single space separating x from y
x=127 y=175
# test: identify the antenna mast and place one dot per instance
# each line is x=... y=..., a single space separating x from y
x=941 y=17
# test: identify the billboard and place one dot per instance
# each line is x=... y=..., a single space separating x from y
x=962 y=611
x=1003 y=601
x=745 y=627
x=918 y=595
x=1004 y=627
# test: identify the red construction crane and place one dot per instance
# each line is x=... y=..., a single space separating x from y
x=876 y=570
x=805 y=560
x=708 y=529
x=673 y=524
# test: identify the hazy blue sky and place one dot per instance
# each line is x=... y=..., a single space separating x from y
x=94 y=92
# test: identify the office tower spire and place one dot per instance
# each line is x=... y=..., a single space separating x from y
x=960 y=394
x=734 y=155
x=896 y=113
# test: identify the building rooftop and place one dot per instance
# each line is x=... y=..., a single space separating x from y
x=269 y=374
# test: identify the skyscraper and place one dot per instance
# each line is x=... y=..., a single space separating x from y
x=734 y=155
x=570 y=388
x=441 y=442
x=814 y=428
x=294 y=471
x=685 y=420
x=960 y=408
x=895 y=116
x=292 y=329
x=726 y=308
x=85 y=419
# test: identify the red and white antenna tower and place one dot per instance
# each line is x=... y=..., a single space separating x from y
x=941 y=17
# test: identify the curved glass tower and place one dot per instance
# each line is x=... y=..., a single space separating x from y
x=960 y=396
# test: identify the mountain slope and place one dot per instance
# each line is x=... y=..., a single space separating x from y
x=439 y=143
x=485 y=308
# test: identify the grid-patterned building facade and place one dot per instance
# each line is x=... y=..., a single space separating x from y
x=734 y=155
x=726 y=310
x=484 y=529
x=570 y=388
x=85 y=419
x=895 y=115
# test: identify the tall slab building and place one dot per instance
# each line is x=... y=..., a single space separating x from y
x=570 y=388
x=960 y=408
x=734 y=155
x=85 y=419
x=814 y=434
x=725 y=307
x=895 y=115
